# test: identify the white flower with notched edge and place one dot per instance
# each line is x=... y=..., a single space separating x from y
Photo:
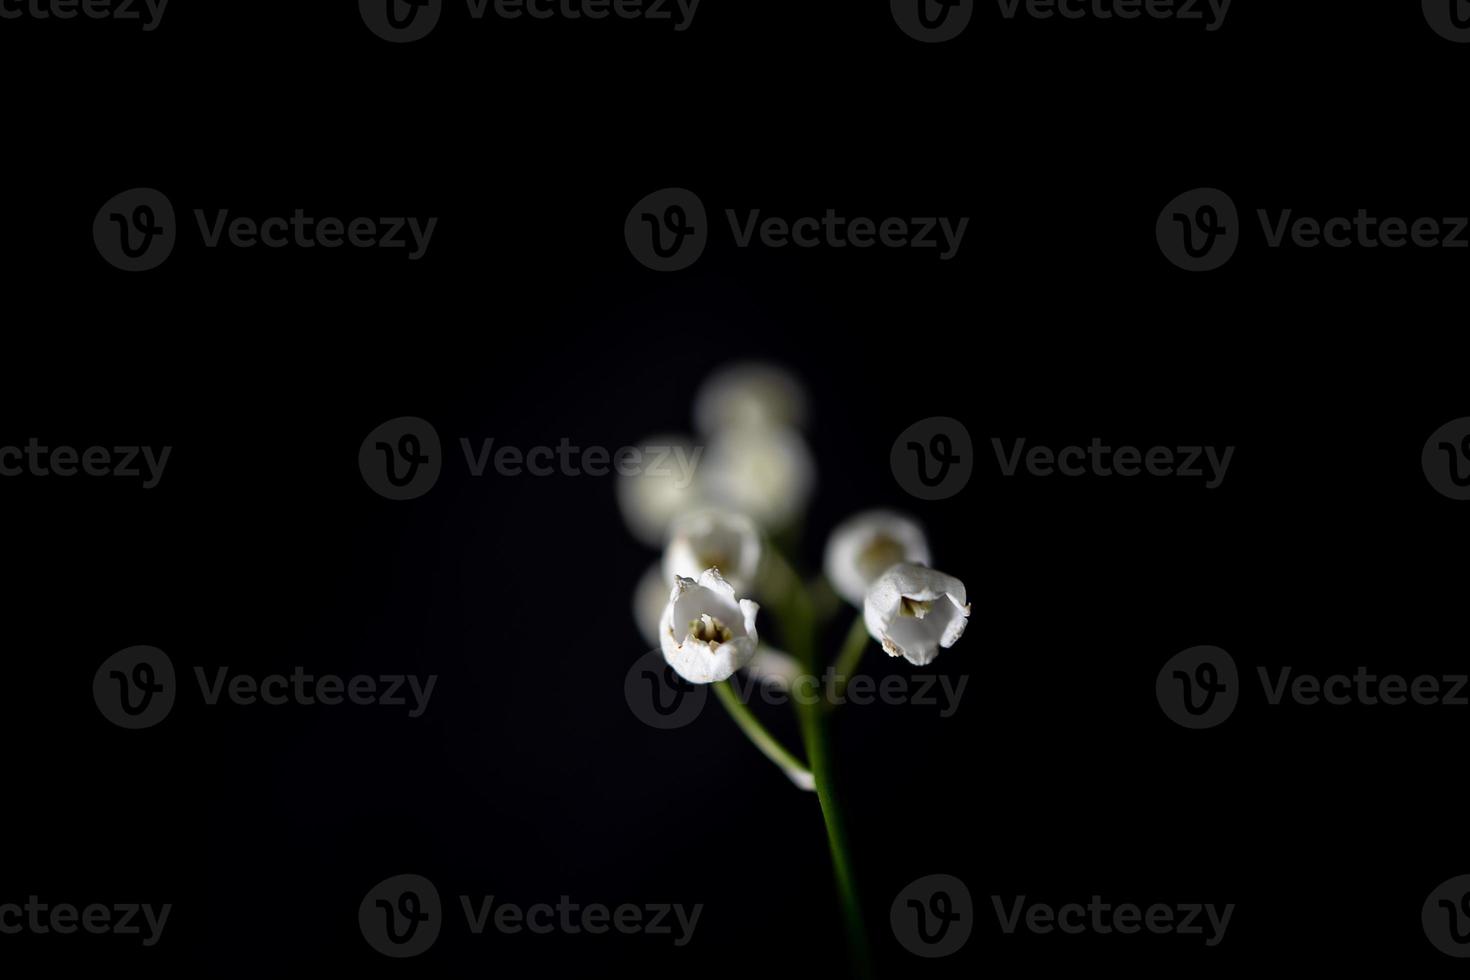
x=766 y=472
x=718 y=539
x=706 y=633
x=662 y=488
x=749 y=394
x=913 y=611
x=866 y=545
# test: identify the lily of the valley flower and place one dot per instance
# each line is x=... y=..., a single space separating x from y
x=719 y=539
x=653 y=497
x=866 y=545
x=764 y=471
x=749 y=394
x=913 y=611
x=706 y=633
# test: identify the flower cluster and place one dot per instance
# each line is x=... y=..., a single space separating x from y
x=754 y=482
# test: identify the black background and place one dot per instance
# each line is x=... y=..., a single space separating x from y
x=1059 y=777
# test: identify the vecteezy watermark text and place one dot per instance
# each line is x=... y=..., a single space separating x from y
x=668 y=230
x=403 y=459
x=402 y=916
x=39 y=918
x=148 y=13
x=143 y=463
x=135 y=688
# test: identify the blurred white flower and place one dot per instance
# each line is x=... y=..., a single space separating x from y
x=774 y=668
x=866 y=545
x=913 y=611
x=649 y=598
x=749 y=394
x=706 y=633
x=767 y=473
x=717 y=539
x=662 y=489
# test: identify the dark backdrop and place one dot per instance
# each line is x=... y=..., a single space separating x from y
x=529 y=778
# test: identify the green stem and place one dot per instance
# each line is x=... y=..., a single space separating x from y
x=853 y=648
x=814 y=733
x=763 y=739
x=798 y=619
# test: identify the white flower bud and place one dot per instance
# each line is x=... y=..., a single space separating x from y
x=717 y=539
x=866 y=545
x=706 y=634
x=767 y=473
x=749 y=394
x=651 y=498
x=913 y=611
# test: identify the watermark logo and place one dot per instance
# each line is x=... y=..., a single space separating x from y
x=401 y=916
x=1198 y=687
x=1446 y=459
x=135 y=231
x=1102 y=918
x=1446 y=917
x=143 y=463
x=1199 y=230
x=659 y=697
x=933 y=916
x=667 y=230
x=933 y=21
x=1450 y=19
x=1211 y=13
x=401 y=21
x=1098 y=459
x=933 y=458
x=149 y=13
x=38 y=918
x=401 y=459
x=135 y=688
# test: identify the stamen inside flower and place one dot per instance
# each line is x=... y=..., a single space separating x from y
x=707 y=629
x=714 y=559
x=914 y=608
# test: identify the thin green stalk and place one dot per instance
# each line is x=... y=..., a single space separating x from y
x=814 y=734
x=794 y=607
x=853 y=648
x=758 y=734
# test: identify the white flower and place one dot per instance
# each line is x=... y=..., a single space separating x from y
x=913 y=611
x=706 y=634
x=749 y=394
x=649 y=598
x=767 y=473
x=716 y=539
x=865 y=545
x=651 y=498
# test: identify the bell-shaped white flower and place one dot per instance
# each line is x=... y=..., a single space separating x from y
x=766 y=472
x=913 y=611
x=718 y=539
x=662 y=488
x=707 y=634
x=866 y=545
x=749 y=394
